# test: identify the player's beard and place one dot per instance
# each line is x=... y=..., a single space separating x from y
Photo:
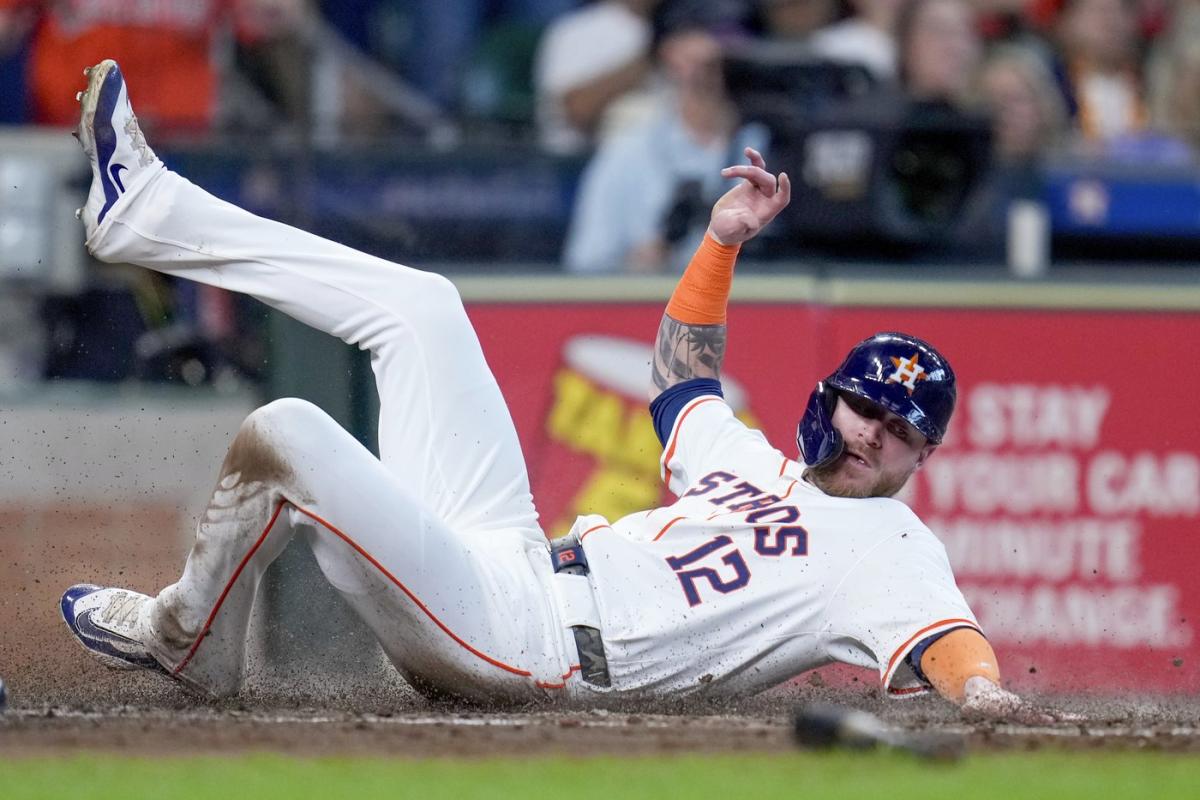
x=833 y=480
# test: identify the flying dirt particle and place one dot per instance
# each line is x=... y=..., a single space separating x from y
x=1177 y=662
x=1033 y=670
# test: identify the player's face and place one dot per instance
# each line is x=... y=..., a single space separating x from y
x=881 y=451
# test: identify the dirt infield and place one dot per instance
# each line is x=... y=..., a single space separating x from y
x=62 y=702
x=158 y=718
x=442 y=733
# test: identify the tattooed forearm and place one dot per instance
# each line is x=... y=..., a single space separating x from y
x=683 y=352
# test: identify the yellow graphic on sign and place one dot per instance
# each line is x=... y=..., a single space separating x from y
x=614 y=428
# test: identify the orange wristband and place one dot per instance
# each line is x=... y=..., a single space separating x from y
x=702 y=295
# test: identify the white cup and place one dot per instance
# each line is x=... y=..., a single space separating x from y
x=1028 y=239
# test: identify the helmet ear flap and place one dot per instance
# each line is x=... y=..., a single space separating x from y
x=820 y=443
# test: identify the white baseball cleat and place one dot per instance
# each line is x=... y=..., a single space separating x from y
x=111 y=139
x=109 y=624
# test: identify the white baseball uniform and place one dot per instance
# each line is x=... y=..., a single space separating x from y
x=754 y=575
x=750 y=578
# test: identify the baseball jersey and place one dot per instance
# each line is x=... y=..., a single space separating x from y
x=754 y=575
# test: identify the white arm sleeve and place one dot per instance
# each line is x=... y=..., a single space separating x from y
x=899 y=594
x=707 y=437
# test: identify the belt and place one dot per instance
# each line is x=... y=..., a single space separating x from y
x=566 y=555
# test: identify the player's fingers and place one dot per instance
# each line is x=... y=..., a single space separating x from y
x=759 y=177
x=756 y=159
x=783 y=194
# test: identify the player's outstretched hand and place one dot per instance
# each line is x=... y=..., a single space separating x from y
x=746 y=209
x=985 y=700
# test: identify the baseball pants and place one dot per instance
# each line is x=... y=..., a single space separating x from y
x=435 y=544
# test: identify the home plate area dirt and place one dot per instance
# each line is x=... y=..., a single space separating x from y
x=97 y=710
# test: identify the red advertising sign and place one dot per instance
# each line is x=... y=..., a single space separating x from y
x=1067 y=493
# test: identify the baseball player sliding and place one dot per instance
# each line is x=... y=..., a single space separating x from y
x=763 y=568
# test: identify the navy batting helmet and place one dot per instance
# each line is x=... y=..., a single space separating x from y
x=897 y=372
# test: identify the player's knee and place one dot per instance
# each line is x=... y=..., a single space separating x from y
x=447 y=307
x=438 y=297
x=270 y=433
x=437 y=289
x=284 y=414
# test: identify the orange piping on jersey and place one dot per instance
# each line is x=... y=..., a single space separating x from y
x=262 y=537
x=370 y=559
x=590 y=530
x=560 y=685
x=666 y=528
x=675 y=439
x=887 y=677
x=413 y=597
x=783 y=467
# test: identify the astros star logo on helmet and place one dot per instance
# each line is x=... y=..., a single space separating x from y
x=908 y=372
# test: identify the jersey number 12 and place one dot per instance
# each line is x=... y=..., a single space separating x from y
x=767 y=542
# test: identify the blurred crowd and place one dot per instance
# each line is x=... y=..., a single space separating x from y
x=639 y=91
x=639 y=83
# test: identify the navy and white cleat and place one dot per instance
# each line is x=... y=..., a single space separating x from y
x=107 y=622
x=111 y=139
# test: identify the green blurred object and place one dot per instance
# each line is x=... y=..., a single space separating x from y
x=498 y=81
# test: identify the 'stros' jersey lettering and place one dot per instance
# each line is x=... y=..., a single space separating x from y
x=719 y=563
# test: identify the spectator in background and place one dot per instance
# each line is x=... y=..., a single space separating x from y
x=644 y=198
x=432 y=41
x=939 y=49
x=170 y=51
x=1016 y=20
x=1173 y=79
x=1103 y=80
x=794 y=21
x=1017 y=89
x=587 y=61
x=725 y=19
x=867 y=37
x=165 y=49
x=1019 y=93
x=941 y=160
x=14 y=100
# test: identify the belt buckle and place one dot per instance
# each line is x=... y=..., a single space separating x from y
x=570 y=558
